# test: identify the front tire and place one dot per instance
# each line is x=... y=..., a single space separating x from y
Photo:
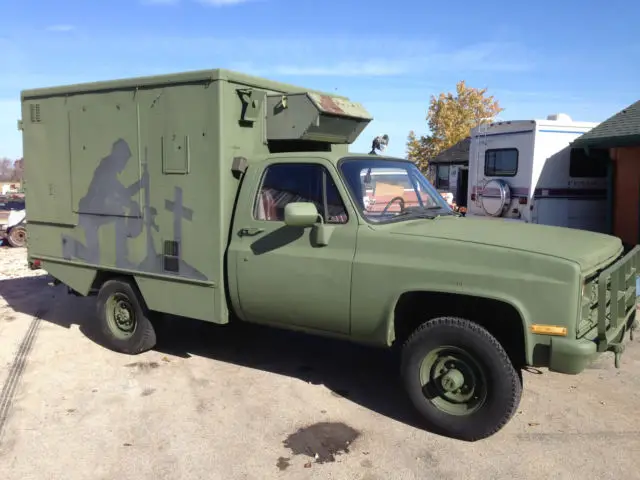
x=460 y=378
x=124 y=323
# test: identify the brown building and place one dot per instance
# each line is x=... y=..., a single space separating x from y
x=618 y=138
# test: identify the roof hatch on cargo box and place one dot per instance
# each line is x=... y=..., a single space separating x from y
x=315 y=117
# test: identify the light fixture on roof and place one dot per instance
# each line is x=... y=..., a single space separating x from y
x=379 y=143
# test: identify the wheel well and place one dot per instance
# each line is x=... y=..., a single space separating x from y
x=501 y=319
x=99 y=280
x=103 y=276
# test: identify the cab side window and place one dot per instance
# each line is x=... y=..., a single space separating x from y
x=286 y=183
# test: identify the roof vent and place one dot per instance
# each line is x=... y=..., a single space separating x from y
x=559 y=117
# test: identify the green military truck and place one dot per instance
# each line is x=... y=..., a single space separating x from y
x=225 y=197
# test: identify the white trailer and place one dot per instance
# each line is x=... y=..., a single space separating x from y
x=525 y=170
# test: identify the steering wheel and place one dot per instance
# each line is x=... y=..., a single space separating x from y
x=391 y=202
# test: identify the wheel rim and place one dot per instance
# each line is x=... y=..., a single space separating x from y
x=18 y=236
x=453 y=381
x=121 y=315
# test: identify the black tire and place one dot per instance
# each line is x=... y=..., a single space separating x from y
x=17 y=236
x=119 y=334
x=479 y=360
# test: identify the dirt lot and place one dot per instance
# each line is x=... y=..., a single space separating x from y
x=220 y=403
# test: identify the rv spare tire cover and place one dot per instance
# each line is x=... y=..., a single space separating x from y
x=496 y=197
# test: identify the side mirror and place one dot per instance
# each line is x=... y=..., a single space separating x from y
x=301 y=214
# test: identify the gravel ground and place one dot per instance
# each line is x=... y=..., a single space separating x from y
x=221 y=403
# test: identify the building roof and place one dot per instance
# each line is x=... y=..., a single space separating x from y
x=457 y=153
x=622 y=129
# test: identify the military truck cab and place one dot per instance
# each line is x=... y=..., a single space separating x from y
x=224 y=197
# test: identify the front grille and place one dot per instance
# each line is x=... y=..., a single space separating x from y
x=589 y=306
x=609 y=295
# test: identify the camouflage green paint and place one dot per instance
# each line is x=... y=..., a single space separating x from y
x=109 y=202
x=154 y=262
x=106 y=202
x=310 y=116
x=190 y=127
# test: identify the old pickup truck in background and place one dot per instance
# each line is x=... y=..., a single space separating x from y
x=13 y=220
x=225 y=197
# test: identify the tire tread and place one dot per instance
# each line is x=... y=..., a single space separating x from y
x=506 y=365
x=145 y=338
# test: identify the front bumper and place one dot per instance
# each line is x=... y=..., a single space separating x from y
x=615 y=308
x=573 y=356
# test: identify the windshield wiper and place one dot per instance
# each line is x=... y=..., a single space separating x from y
x=422 y=212
x=414 y=214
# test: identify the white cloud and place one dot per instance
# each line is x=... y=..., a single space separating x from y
x=60 y=28
x=473 y=58
x=326 y=56
x=397 y=69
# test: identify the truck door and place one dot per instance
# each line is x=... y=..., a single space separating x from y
x=282 y=275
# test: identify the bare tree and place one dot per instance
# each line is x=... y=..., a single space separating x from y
x=18 y=170
x=6 y=169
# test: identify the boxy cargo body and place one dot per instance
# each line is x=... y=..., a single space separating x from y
x=136 y=176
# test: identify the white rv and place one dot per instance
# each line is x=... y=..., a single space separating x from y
x=525 y=170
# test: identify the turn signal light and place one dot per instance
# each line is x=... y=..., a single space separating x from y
x=549 y=330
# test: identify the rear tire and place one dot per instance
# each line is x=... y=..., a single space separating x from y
x=460 y=378
x=124 y=324
x=17 y=236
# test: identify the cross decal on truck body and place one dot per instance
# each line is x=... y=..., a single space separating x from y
x=179 y=212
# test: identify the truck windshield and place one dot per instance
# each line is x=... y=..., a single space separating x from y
x=388 y=190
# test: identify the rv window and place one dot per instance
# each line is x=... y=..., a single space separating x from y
x=501 y=162
x=593 y=165
x=442 y=179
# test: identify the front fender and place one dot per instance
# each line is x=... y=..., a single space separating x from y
x=539 y=288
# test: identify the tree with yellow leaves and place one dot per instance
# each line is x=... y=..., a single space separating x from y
x=450 y=119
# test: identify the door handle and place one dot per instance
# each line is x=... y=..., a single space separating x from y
x=250 y=231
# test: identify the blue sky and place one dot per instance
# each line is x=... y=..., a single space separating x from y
x=536 y=57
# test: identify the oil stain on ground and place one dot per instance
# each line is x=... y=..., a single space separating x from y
x=283 y=463
x=322 y=441
x=143 y=366
x=148 y=391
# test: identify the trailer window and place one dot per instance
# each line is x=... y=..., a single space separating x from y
x=592 y=165
x=501 y=162
x=286 y=183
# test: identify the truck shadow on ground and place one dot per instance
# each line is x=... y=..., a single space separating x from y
x=366 y=376
x=34 y=296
